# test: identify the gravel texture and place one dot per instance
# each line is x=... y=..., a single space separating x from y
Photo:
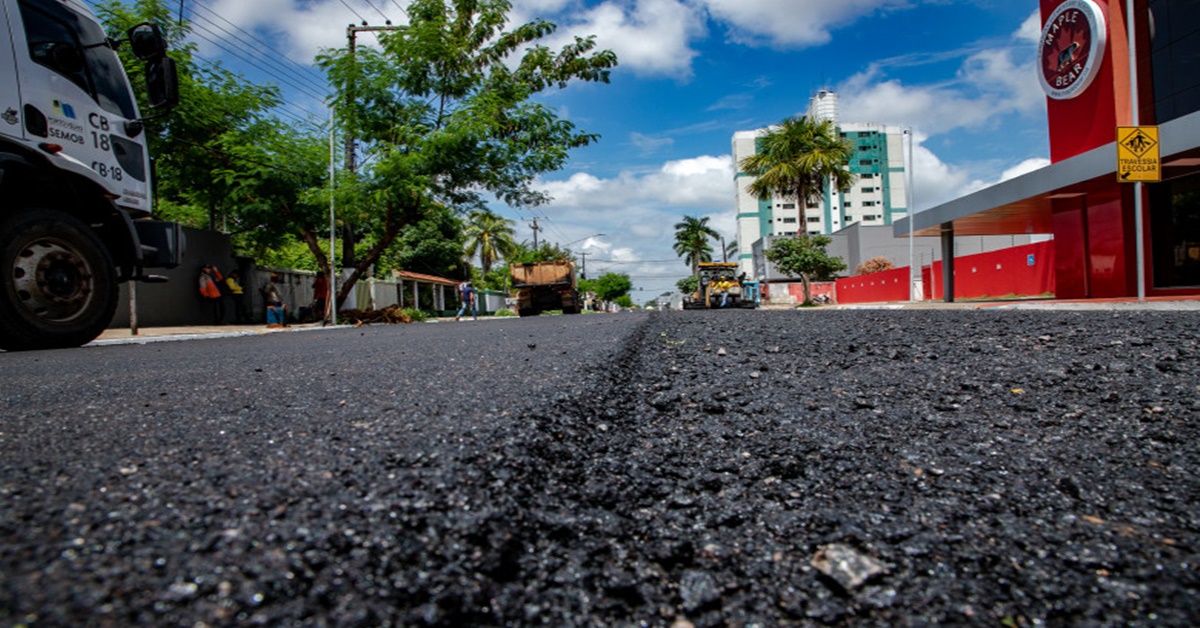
x=683 y=469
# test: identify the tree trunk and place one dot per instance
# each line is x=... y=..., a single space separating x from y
x=802 y=205
x=807 y=284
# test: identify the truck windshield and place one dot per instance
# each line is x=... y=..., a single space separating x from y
x=50 y=26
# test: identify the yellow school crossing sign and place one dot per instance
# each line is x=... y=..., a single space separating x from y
x=1137 y=154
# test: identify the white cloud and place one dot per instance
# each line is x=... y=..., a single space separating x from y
x=637 y=211
x=650 y=37
x=789 y=23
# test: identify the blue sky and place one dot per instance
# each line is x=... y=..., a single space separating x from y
x=693 y=72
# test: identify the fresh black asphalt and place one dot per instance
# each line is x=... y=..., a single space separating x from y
x=680 y=469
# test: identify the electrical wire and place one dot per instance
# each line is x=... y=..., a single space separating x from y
x=203 y=32
x=291 y=65
x=356 y=13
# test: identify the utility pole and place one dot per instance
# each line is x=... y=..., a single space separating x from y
x=350 y=160
x=535 y=228
x=583 y=265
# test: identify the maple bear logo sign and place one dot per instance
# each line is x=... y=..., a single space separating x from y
x=1071 y=49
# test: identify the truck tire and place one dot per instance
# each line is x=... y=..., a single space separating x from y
x=59 y=282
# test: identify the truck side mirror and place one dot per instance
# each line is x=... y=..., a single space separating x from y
x=147 y=41
x=162 y=83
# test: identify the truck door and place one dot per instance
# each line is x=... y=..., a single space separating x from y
x=76 y=95
x=10 y=93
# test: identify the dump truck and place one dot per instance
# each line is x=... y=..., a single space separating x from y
x=717 y=278
x=542 y=286
x=75 y=191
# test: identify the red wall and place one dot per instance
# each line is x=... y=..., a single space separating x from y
x=888 y=285
x=997 y=273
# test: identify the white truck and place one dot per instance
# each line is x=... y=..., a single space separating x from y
x=75 y=190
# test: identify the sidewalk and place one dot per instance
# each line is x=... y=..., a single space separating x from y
x=186 y=332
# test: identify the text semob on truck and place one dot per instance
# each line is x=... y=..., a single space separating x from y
x=74 y=172
x=545 y=286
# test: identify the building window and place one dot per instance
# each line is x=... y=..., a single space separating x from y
x=868 y=203
x=812 y=219
x=789 y=206
x=868 y=190
x=1175 y=229
x=789 y=220
x=868 y=175
x=847 y=204
x=864 y=162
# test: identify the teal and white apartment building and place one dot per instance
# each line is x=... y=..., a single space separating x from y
x=877 y=198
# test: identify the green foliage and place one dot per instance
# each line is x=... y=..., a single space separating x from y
x=219 y=111
x=489 y=235
x=624 y=301
x=688 y=284
x=505 y=313
x=693 y=239
x=546 y=252
x=611 y=286
x=796 y=159
x=447 y=110
x=432 y=246
x=805 y=257
x=416 y=315
x=495 y=279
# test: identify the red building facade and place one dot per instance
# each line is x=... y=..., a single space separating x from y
x=1084 y=68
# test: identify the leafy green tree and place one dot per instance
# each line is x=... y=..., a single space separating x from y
x=490 y=236
x=191 y=144
x=805 y=256
x=624 y=301
x=447 y=110
x=433 y=246
x=688 y=284
x=693 y=241
x=610 y=286
x=797 y=159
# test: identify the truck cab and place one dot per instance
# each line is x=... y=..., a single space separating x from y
x=75 y=186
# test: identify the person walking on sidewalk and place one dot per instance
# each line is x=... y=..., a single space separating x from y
x=466 y=292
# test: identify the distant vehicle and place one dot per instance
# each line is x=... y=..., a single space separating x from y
x=718 y=279
x=543 y=286
x=74 y=173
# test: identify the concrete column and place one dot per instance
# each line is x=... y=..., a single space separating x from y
x=948 y=262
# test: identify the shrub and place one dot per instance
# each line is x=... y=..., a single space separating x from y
x=874 y=265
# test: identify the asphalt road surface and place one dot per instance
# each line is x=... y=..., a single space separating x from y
x=999 y=468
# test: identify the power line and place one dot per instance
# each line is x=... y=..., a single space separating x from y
x=385 y=17
x=242 y=55
x=292 y=64
x=356 y=14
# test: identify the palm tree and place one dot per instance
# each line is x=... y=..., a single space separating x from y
x=797 y=159
x=490 y=236
x=692 y=241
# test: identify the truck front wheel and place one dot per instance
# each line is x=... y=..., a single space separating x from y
x=59 y=283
